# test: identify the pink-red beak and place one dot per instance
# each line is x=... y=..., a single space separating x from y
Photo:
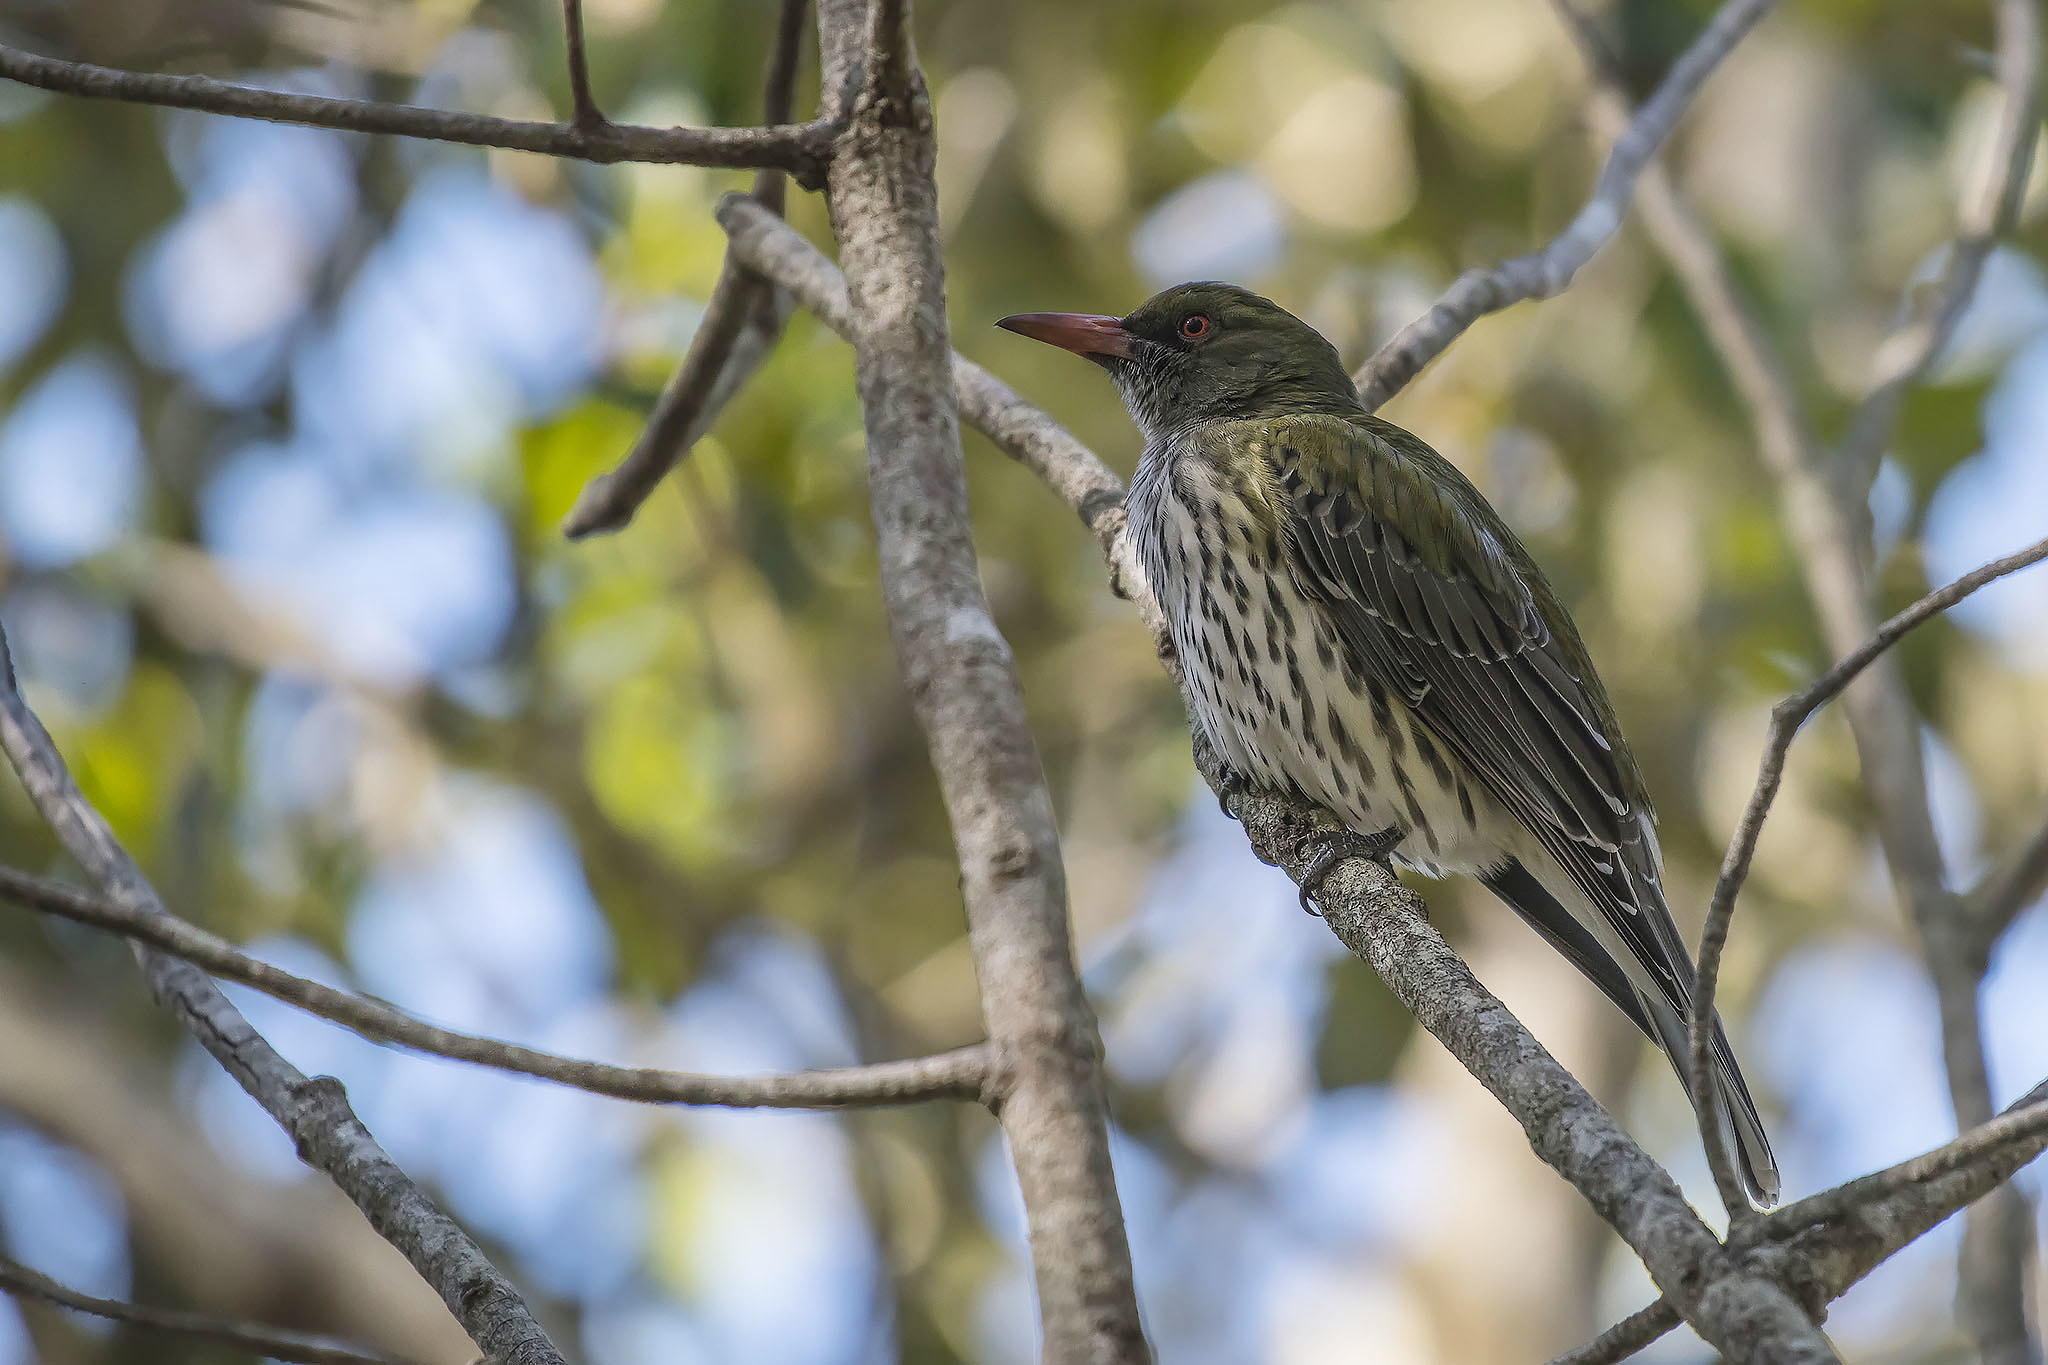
x=1081 y=333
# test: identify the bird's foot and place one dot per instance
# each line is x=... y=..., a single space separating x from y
x=1338 y=845
x=1233 y=783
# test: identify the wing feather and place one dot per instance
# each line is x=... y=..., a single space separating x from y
x=1452 y=621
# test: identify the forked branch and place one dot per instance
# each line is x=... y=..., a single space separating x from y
x=742 y=322
x=800 y=149
x=312 y=1110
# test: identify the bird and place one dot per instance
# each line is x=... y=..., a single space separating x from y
x=1358 y=626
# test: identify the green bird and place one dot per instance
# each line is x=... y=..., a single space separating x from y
x=1358 y=625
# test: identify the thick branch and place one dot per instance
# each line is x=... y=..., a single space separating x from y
x=1832 y=1240
x=276 y=1343
x=964 y=689
x=1744 y=1313
x=960 y=1074
x=314 y=1111
x=742 y=322
x=1550 y=271
x=800 y=149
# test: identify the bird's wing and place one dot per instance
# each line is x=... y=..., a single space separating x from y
x=1436 y=600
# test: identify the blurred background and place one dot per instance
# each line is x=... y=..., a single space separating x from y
x=288 y=419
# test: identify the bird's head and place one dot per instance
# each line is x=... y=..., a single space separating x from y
x=1203 y=352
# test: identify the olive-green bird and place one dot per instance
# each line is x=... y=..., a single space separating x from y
x=1359 y=626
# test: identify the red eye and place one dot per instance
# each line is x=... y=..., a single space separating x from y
x=1194 y=326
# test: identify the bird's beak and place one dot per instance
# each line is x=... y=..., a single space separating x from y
x=1082 y=333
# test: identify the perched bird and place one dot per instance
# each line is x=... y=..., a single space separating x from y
x=1359 y=626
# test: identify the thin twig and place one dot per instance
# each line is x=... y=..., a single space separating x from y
x=960 y=1074
x=313 y=1111
x=1987 y=215
x=2025 y=1121
x=739 y=328
x=2016 y=883
x=1548 y=272
x=742 y=321
x=586 y=114
x=1625 y=1338
x=1786 y=718
x=1760 y=377
x=800 y=149
x=764 y=243
x=275 y=1343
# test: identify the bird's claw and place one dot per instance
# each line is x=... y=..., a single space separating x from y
x=1336 y=847
x=1232 y=783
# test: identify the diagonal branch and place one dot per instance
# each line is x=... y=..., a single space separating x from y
x=313 y=1110
x=1367 y=907
x=742 y=322
x=960 y=1074
x=1625 y=1338
x=800 y=149
x=1550 y=271
x=2022 y=1128
x=1831 y=1240
x=1987 y=215
x=274 y=1343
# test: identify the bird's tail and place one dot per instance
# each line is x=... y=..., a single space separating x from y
x=1742 y=1129
x=1657 y=1015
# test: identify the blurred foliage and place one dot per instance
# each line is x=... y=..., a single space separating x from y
x=707 y=700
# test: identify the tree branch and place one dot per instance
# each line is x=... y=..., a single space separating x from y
x=1826 y=519
x=1743 y=1312
x=1987 y=215
x=960 y=1074
x=2016 y=883
x=314 y=1111
x=275 y=1343
x=1625 y=1338
x=1831 y=1240
x=764 y=243
x=2023 y=1127
x=742 y=322
x=1550 y=271
x=964 y=690
x=1786 y=718
x=1369 y=909
x=800 y=149
x=586 y=114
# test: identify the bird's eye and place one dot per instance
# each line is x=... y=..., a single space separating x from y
x=1194 y=326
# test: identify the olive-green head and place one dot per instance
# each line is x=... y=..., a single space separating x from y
x=1204 y=352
